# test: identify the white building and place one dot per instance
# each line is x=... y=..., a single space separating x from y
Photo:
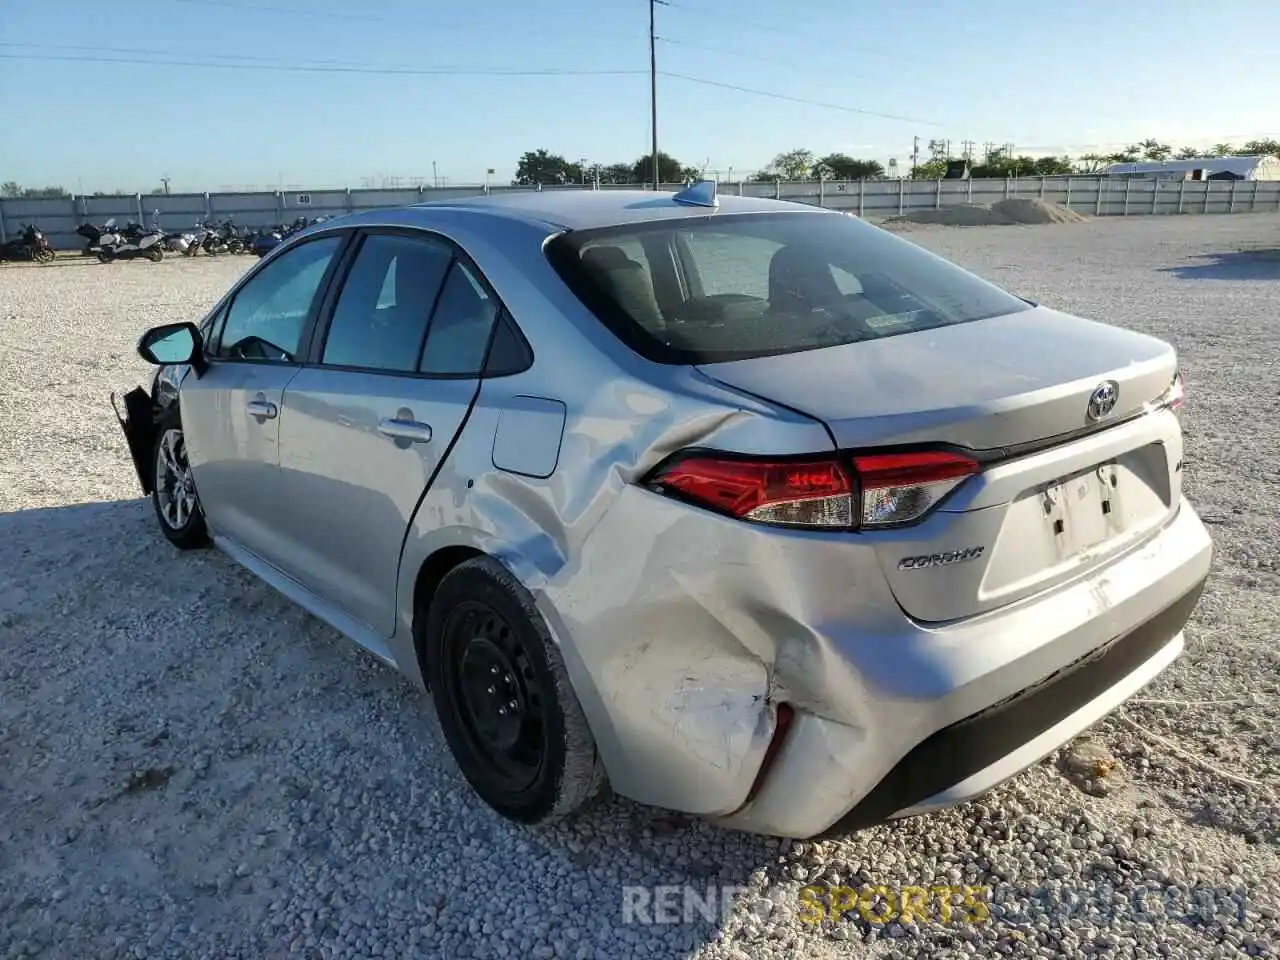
x=1201 y=168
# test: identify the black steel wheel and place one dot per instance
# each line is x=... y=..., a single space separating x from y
x=503 y=697
x=497 y=692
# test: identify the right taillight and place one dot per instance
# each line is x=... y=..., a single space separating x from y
x=900 y=488
x=1172 y=397
x=873 y=491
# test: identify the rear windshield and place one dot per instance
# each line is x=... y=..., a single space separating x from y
x=735 y=286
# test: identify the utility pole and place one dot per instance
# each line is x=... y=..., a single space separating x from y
x=165 y=181
x=915 y=155
x=653 y=86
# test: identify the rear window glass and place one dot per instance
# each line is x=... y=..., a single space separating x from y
x=731 y=287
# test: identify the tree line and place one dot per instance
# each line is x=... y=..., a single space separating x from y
x=542 y=167
x=547 y=168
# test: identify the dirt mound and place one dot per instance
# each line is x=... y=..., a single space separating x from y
x=1019 y=210
x=1002 y=213
x=955 y=215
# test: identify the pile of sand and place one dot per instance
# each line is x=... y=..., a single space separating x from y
x=1017 y=210
x=1002 y=213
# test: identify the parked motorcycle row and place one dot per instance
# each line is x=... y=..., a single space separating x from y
x=111 y=243
x=31 y=244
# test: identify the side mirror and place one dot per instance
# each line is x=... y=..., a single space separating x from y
x=174 y=343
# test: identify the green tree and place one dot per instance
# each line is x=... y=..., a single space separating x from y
x=12 y=190
x=617 y=173
x=1187 y=153
x=936 y=170
x=546 y=168
x=1221 y=150
x=840 y=166
x=1091 y=163
x=790 y=165
x=1151 y=149
x=1262 y=148
x=670 y=170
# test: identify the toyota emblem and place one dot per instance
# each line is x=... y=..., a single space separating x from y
x=1103 y=399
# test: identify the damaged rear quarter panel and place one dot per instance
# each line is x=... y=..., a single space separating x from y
x=676 y=676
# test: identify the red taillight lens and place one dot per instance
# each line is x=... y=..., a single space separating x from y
x=884 y=490
x=1176 y=393
x=902 y=487
x=815 y=493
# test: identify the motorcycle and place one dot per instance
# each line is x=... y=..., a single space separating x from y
x=222 y=239
x=92 y=235
x=266 y=241
x=174 y=242
x=31 y=245
x=130 y=243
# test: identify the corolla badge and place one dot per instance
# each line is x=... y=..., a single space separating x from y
x=1103 y=399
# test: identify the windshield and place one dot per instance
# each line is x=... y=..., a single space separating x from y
x=732 y=287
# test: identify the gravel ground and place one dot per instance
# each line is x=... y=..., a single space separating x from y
x=190 y=766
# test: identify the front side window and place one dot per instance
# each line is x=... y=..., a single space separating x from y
x=382 y=312
x=267 y=318
x=753 y=285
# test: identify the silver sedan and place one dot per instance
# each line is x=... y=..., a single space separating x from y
x=740 y=508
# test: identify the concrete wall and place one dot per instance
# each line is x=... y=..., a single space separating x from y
x=1094 y=195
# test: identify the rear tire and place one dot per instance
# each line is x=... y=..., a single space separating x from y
x=155 y=254
x=504 y=700
x=173 y=496
x=104 y=257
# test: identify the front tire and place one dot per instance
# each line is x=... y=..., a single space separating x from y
x=174 y=496
x=504 y=700
x=155 y=254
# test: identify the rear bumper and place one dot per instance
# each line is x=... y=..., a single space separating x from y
x=1093 y=645
x=969 y=758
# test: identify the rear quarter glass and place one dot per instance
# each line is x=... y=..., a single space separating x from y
x=707 y=289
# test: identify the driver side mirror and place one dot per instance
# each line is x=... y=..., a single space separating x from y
x=174 y=343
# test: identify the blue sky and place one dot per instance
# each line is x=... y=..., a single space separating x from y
x=1079 y=76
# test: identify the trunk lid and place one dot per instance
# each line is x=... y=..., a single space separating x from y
x=1035 y=519
x=984 y=385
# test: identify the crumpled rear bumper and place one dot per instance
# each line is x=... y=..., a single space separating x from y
x=683 y=632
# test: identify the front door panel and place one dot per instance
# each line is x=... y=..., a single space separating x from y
x=357 y=453
x=233 y=446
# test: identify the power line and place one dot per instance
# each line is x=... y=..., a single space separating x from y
x=744 y=55
x=303 y=68
x=772 y=28
x=813 y=103
x=399 y=20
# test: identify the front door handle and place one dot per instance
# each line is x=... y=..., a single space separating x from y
x=411 y=430
x=262 y=408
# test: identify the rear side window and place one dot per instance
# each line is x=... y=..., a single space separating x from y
x=753 y=285
x=382 y=312
x=460 y=327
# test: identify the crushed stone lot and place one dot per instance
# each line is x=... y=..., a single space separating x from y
x=190 y=766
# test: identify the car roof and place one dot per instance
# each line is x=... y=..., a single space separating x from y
x=586 y=209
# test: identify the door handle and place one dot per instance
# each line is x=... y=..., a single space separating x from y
x=261 y=408
x=411 y=430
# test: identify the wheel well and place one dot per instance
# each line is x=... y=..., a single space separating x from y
x=433 y=570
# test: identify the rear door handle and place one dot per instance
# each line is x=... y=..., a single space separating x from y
x=262 y=408
x=411 y=430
